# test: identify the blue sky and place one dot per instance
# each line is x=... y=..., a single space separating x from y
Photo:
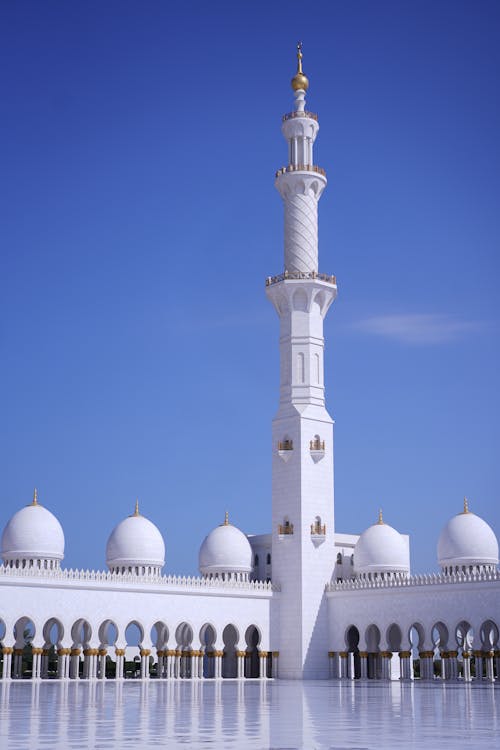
x=139 y=221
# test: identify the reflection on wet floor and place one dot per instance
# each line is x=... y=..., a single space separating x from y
x=230 y=714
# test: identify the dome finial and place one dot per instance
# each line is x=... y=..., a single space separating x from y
x=299 y=81
x=226 y=518
x=466 y=506
x=35 y=497
x=380 y=517
x=136 y=511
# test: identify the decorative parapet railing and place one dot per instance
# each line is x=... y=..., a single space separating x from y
x=330 y=279
x=301 y=168
x=431 y=579
x=285 y=529
x=102 y=576
x=317 y=445
x=292 y=115
x=285 y=445
x=317 y=529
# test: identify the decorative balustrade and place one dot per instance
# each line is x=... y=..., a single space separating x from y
x=285 y=529
x=317 y=445
x=285 y=445
x=318 y=530
x=292 y=115
x=96 y=576
x=431 y=579
x=293 y=275
x=301 y=168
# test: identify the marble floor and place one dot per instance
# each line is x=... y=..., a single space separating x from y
x=255 y=715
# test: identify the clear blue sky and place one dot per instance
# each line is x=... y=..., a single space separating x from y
x=139 y=355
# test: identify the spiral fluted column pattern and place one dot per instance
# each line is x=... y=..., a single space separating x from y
x=301 y=233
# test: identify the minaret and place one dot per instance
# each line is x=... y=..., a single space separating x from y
x=303 y=554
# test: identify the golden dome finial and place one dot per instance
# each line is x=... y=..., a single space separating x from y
x=136 y=511
x=466 y=506
x=299 y=81
x=35 y=497
x=226 y=518
x=380 y=517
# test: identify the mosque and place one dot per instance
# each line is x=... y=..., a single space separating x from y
x=302 y=602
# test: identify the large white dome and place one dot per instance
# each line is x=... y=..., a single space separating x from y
x=33 y=533
x=135 y=545
x=381 y=549
x=467 y=540
x=226 y=550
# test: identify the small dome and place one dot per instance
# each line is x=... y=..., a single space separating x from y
x=135 y=545
x=381 y=549
x=33 y=533
x=467 y=540
x=226 y=550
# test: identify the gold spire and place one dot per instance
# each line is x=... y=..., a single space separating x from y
x=299 y=81
x=136 y=511
x=35 y=497
x=380 y=518
x=226 y=518
x=466 y=506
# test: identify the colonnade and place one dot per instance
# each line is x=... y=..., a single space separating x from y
x=386 y=665
x=170 y=664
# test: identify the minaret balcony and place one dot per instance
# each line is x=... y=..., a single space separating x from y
x=285 y=530
x=285 y=448
x=301 y=168
x=318 y=533
x=317 y=449
x=298 y=113
x=297 y=275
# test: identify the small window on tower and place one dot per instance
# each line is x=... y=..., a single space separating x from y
x=256 y=561
x=268 y=558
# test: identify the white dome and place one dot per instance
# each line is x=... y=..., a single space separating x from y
x=33 y=533
x=467 y=540
x=225 y=550
x=135 y=543
x=381 y=549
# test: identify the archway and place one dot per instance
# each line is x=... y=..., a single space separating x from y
x=208 y=636
x=184 y=639
x=134 y=636
x=24 y=633
x=416 y=637
x=372 y=638
x=252 y=639
x=159 y=639
x=229 y=660
x=439 y=636
x=108 y=635
x=53 y=634
x=352 y=644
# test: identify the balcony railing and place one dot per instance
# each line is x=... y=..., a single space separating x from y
x=318 y=530
x=317 y=445
x=292 y=115
x=285 y=529
x=301 y=168
x=285 y=445
x=330 y=279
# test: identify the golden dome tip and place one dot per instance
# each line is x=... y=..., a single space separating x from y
x=226 y=518
x=380 y=517
x=136 y=509
x=35 y=497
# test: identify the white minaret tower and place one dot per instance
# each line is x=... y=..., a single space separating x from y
x=303 y=554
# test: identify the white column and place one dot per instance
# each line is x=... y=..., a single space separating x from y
x=7 y=652
x=478 y=658
x=363 y=660
x=263 y=665
x=488 y=662
x=18 y=660
x=466 y=666
x=274 y=665
x=120 y=659
x=145 y=654
x=102 y=663
x=343 y=665
x=37 y=666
